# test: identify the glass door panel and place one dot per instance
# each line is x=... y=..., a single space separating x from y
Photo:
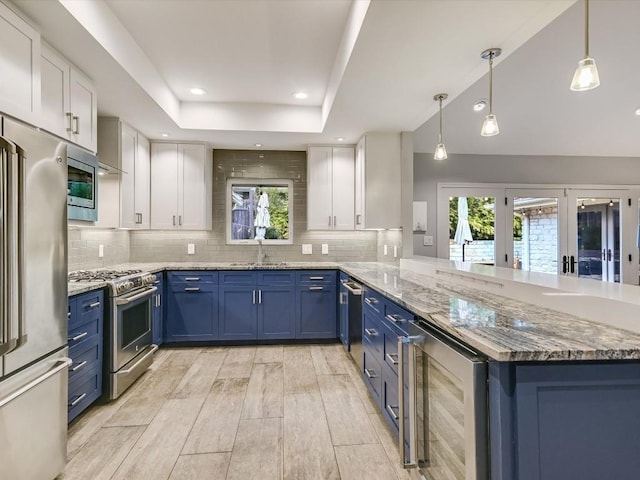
x=472 y=229
x=536 y=233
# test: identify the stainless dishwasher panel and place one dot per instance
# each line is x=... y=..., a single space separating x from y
x=33 y=420
x=354 y=304
x=447 y=407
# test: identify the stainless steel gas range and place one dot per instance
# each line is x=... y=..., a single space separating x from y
x=128 y=346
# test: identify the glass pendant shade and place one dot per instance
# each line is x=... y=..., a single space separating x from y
x=490 y=126
x=440 y=153
x=586 y=76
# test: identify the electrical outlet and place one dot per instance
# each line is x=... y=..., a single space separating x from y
x=100 y=251
x=384 y=250
x=325 y=249
x=191 y=249
x=307 y=249
x=395 y=251
x=427 y=241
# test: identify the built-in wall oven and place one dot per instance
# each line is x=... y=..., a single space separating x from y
x=444 y=406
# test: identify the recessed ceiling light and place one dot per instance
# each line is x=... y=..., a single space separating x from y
x=340 y=139
x=164 y=134
x=258 y=144
x=638 y=111
x=300 y=95
x=198 y=91
x=479 y=105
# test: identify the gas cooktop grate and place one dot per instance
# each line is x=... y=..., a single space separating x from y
x=99 y=275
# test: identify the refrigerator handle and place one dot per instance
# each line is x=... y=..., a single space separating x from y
x=9 y=246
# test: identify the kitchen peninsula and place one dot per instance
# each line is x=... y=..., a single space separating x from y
x=563 y=391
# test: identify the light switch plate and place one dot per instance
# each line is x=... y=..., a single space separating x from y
x=100 y=251
x=191 y=249
x=384 y=250
x=427 y=241
x=325 y=249
x=307 y=249
x=395 y=251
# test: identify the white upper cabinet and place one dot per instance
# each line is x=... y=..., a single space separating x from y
x=330 y=188
x=20 y=67
x=181 y=185
x=69 y=101
x=378 y=181
x=125 y=188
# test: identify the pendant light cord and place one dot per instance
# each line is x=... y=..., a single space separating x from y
x=586 y=28
x=490 y=83
x=440 y=134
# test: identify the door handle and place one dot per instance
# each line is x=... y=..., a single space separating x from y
x=565 y=264
x=609 y=255
x=573 y=264
x=604 y=254
x=60 y=365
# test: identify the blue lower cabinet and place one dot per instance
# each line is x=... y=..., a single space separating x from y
x=238 y=307
x=343 y=310
x=317 y=311
x=157 y=311
x=85 y=342
x=276 y=312
x=191 y=315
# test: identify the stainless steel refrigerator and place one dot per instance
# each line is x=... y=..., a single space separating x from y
x=33 y=303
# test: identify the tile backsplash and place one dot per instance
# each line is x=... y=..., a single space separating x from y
x=210 y=246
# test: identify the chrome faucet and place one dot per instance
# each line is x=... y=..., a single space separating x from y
x=261 y=254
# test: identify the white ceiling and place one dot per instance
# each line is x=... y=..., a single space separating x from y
x=367 y=65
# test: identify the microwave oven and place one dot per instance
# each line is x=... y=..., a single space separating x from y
x=82 y=185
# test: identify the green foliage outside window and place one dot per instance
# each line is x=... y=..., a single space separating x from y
x=481 y=218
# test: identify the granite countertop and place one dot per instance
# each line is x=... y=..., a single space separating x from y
x=499 y=327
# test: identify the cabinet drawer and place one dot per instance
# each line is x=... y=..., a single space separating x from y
x=238 y=277
x=88 y=307
x=372 y=332
x=276 y=277
x=90 y=332
x=318 y=276
x=193 y=277
x=397 y=316
x=193 y=287
x=373 y=300
x=372 y=374
x=84 y=359
x=390 y=348
x=390 y=405
x=83 y=391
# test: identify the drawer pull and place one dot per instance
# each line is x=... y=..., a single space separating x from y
x=391 y=358
x=79 y=366
x=316 y=289
x=69 y=315
x=192 y=289
x=371 y=300
x=392 y=412
x=191 y=279
x=395 y=318
x=94 y=305
x=370 y=373
x=78 y=337
x=78 y=400
x=371 y=332
x=316 y=278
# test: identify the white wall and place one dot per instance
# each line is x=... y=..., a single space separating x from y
x=427 y=173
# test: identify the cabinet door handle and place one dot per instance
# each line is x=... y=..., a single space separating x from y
x=260 y=297
x=358 y=219
x=192 y=289
x=394 y=361
x=370 y=300
x=174 y=220
x=392 y=413
x=138 y=218
x=370 y=373
x=329 y=220
x=316 y=288
x=192 y=279
x=180 y=220
x=371 y=332
x=70 y=120
x=93 y=305
x=334 y=222
x=316 y=278
x=77 y=400
x=76 y=120
x=69 y=315
x=254 y=297
x=79 y=366
x=78 y=337
x=395 y=318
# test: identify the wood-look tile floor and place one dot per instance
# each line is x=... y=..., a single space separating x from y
x=265 y=412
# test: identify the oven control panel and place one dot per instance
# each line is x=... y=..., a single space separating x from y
x=134 y=282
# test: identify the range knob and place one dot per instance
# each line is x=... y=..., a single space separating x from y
x=149 y=279
x=124 y=286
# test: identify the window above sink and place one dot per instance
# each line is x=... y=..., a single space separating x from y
x=259 y=210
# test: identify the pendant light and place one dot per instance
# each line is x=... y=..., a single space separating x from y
x=586 y=76
x=490 y=125
x=441 y=151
